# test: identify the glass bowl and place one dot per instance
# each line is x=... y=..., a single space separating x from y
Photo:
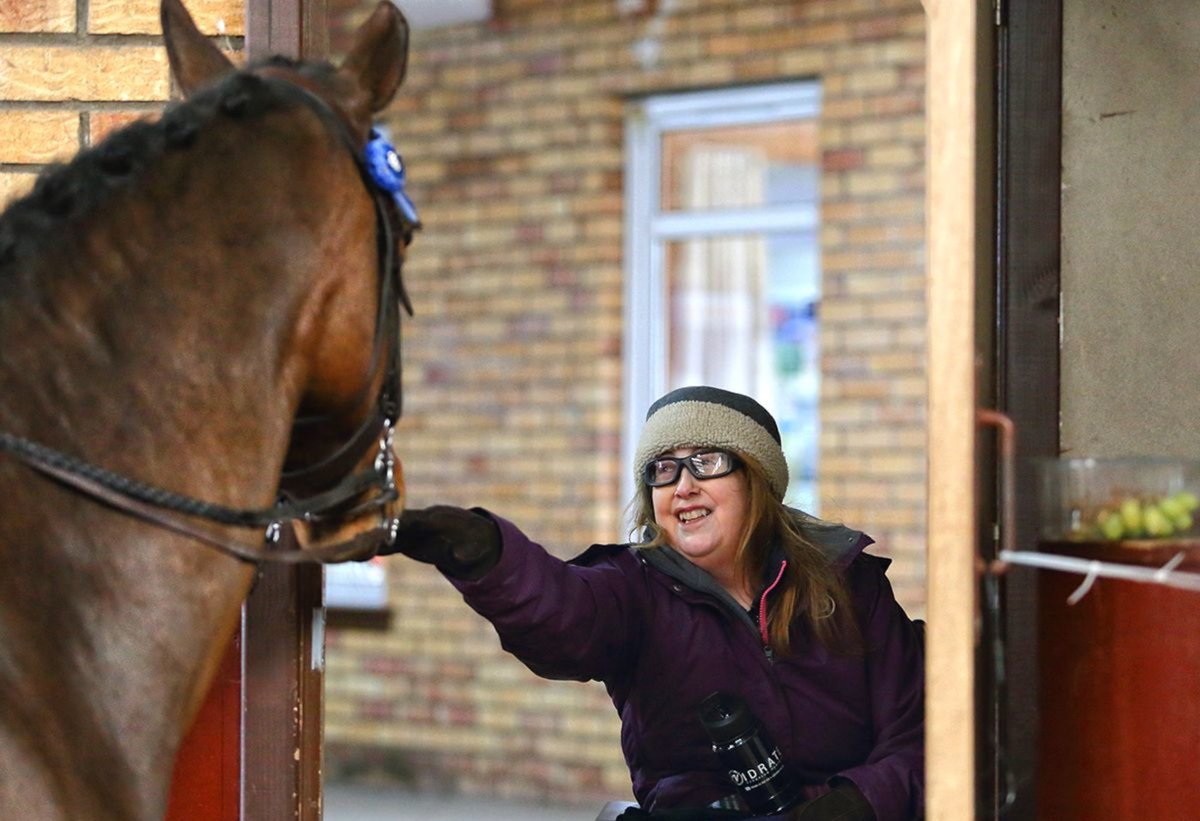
x=1109 y=500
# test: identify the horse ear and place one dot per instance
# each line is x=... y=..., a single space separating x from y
x=195 y=61
x=378 y=59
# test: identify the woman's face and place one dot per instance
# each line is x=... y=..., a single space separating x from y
x=703 y=519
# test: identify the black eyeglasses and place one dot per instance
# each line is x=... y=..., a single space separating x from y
x=711 y=464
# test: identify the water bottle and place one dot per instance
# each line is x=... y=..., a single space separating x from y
x=752 y=759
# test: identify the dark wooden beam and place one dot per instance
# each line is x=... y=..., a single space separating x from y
x=1029 y=133
x=284 y=615
x=284 y=668
x=295 y=28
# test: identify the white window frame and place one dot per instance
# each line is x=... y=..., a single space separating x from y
x=648 y=229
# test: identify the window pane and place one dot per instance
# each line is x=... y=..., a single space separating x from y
x=743 y=316
x=740 y=167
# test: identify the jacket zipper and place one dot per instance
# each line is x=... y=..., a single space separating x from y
x=762 y=613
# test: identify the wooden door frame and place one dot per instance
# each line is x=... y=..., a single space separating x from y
x=958 y=223
x=1018 y=372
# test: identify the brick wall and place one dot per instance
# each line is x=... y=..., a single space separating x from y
x=73 y=70
x=513 y=132
x=514 y=135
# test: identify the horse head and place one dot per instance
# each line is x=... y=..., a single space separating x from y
x=351 y=391
x=189 y=311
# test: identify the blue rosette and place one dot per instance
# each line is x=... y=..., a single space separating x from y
x=386 y=168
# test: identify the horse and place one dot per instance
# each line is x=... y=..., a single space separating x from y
x=196 y=319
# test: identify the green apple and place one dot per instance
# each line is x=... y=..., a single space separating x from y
x=1172 y=507
x=1132 y=517
x=1188 y=500
x=1111 y=526
x=1156 y=523
x=1183 y=522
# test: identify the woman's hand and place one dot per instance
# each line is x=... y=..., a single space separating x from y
x=461 y=543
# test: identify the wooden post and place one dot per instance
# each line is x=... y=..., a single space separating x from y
x=284 y=669
x=954 y=229
x=295 y=28
x=255 y=752
x=284 y=616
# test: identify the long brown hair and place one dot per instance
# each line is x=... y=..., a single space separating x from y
x=811 y=589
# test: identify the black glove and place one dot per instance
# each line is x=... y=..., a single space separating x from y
x=845 y=802
x=691 y=814
x=463 y=544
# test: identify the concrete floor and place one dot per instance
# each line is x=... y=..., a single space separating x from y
x=370 y=803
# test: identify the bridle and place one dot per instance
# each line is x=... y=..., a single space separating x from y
x=382 y=173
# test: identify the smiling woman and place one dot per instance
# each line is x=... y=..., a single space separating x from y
x=730 y=592
x=703 y=519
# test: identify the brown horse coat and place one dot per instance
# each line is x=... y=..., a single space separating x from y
x=169 y=302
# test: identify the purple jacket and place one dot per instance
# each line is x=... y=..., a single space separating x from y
x=662 y=635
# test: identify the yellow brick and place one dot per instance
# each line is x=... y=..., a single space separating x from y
x=14 y=184
x=61 y=73
x=898 y=310
x=868 y=81
x=864 y=183
x=761 y=16
x=896 y=155
x=37 y=16
x=873 y=131
x=38 y=136
x=141 y=16
x=804 y=61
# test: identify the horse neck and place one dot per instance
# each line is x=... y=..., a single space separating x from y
x=179 y=303
x=159 y=341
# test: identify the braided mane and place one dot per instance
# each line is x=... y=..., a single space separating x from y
x=66 y=192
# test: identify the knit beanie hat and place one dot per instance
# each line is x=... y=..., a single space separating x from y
x=705 y=417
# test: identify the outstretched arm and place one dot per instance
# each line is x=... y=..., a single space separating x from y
x=562 y=620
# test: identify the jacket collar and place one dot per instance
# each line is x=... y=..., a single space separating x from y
x=839 y=543
x=673 y=564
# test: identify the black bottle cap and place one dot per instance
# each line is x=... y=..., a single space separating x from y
x=726 y=717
